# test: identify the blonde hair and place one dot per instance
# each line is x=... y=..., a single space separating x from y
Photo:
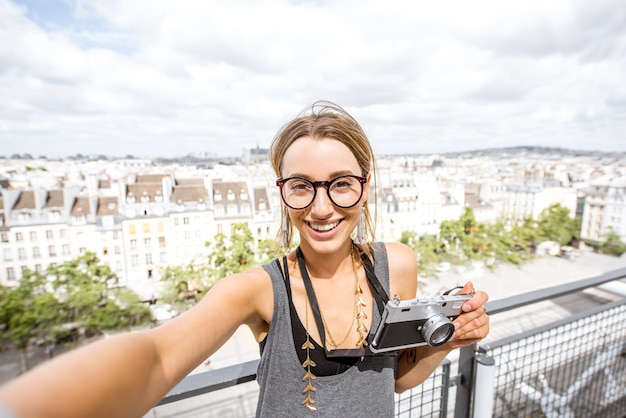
x=324 y=119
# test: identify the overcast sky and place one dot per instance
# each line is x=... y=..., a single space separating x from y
x=168 y=78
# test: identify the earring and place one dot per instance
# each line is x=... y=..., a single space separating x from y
x=359 y=237
x=284 y=231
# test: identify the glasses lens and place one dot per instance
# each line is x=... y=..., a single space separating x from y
x=345 y=191
x=298 y=193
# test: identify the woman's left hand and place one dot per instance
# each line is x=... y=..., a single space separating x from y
x=472 y=325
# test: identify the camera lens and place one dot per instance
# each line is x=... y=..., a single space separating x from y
x=437 y=330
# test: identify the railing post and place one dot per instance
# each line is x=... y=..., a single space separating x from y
x=465 y=380
x=484 y=375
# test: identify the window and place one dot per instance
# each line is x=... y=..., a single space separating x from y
x=131 y=229
x=21 y=254
x=163 y=258
x=33 y=235
x=161 y=241
x=147 y=242
x=10 y=273
x=134 y=260
x=52 y=251
x=62 y=233
x=36 y=252
x=186 y=220
x=117 y=249
x=7 y=254
x=146 y=228
x=160 y=226
x=22 y=217
x=49 y=234
x=19 y=237
x=66 y=249
x=133 y=244
x=148 y=259
x=4 y=237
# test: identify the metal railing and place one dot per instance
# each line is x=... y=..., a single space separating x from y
x=575 y=367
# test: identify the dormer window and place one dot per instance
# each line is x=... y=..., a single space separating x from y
x=22 y=217
x=243 y=195
x=230 y=195
x=145 y=198
x=130 y=198
x=158 y=197
x=217 y=196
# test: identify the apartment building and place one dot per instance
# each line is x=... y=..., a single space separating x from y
x=139 y=218
x=604 y=209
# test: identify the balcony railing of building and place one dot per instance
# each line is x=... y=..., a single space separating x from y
x=574 y=367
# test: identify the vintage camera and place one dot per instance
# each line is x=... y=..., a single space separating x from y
x=415 y=322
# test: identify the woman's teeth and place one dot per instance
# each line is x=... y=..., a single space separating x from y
x=324 y=228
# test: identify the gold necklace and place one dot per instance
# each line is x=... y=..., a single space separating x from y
x=359 y=305
x=359 y=314
x=308 y=363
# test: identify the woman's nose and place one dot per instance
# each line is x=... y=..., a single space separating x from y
x=322 y=205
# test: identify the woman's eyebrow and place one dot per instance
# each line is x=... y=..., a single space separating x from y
x=333 y=175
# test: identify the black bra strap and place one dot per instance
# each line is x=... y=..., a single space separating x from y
x=380 y=295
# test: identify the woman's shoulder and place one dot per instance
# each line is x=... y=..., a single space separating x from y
x=402 y=269
x=397 y=250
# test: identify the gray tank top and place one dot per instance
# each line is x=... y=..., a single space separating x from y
x=364 y=390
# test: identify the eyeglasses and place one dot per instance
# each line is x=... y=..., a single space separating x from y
x=343 y=191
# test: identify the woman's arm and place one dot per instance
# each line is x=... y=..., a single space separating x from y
x=126 y=375
x=416 y=364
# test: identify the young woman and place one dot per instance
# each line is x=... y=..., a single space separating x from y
x=313 y=311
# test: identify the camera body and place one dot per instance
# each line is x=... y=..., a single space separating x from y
x=418 y=321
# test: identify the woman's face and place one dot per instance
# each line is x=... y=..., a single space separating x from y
x=323 y=225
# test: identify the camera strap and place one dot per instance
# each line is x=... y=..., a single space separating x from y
x=380 y=296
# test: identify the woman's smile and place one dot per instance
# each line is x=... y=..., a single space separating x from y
x=323 y=227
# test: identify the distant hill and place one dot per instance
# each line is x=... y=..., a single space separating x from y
x=529 y=151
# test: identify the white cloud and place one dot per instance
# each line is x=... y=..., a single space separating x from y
x=155 y=77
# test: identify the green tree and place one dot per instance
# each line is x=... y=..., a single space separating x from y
x=556 y=224
x=185 y=284
x=29 y=311
x=267 y=250
x=93 y=301
x=612 y=245
x=234 y=254
x=426 y=248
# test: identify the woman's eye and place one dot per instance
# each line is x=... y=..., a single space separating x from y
x=300 y=186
